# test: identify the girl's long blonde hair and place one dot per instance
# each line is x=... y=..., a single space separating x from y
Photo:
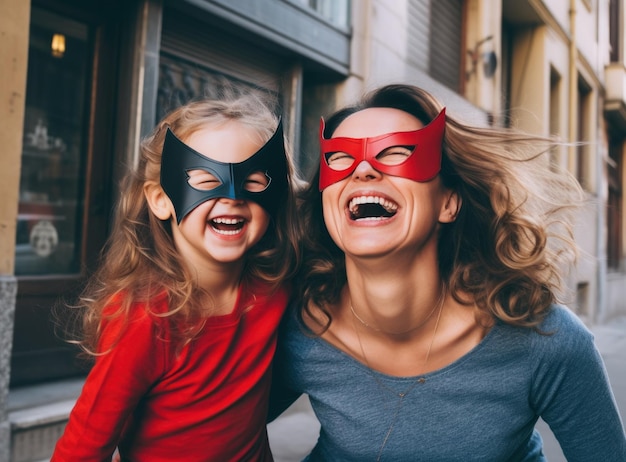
x=140 y=260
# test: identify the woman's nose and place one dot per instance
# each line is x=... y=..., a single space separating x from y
x=365 y=171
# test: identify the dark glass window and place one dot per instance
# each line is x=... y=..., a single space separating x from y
x=49 y=214
x=614 y=32
x=614 y=206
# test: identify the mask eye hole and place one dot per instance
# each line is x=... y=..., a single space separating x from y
x=395 y=155
x=338 y=160
x=257 y=182
x=202 y=180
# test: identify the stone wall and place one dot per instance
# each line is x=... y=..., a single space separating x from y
x=8 y=290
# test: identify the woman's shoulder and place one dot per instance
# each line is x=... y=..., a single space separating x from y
x=293 y=330
x=561 y=320
x=292 y=322
x=562 y=334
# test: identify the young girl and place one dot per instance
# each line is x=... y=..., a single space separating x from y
x=182 y=315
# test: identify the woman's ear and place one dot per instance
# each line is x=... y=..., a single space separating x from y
x=451 y=207
x=158 y=201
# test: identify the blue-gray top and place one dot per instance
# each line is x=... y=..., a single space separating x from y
x=482 y=407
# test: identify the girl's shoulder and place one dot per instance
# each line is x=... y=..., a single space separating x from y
x=264 y=288
x=126 y=318
x=132 y=307
x=261 y=293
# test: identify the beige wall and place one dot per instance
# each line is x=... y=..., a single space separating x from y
x=587 y=32
x=14 y=25
x=572 y=42
x=530 y=81
x=379 y=56
x=483 y=20
x=559 y=9
x=539 y=51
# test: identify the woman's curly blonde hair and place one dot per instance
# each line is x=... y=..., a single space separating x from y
x=140 y=260
x=512 y=240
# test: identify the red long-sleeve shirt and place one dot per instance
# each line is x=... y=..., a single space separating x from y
x=206 y=403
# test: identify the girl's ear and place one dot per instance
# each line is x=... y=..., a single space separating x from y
x=451 y=207
x=158 y=201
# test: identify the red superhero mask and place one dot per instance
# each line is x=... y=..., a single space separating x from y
x=339 y=156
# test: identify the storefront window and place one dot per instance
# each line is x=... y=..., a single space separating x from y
x=50 y=202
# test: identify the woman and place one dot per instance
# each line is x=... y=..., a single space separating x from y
x=427 y=326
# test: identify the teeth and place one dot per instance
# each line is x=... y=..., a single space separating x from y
x=228 y=221
x=388 y=205
x=225 y=232
x=371 y=219
x=227 y=226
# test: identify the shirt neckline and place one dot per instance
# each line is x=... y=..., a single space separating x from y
x=395 y=378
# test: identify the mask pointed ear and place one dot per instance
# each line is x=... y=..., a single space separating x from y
x=450 y=207
x=159 y=203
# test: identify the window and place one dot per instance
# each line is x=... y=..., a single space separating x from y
x=582 y=300
x=435 y=40
x=446 y=27
x=65 y=184
x=583 y=136
x=182 y=81
x=614 y=31
x=335 y=12
x=555 y=116
x=614 y=206
x=48 y=231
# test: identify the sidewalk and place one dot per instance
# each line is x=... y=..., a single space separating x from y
x=295 y=432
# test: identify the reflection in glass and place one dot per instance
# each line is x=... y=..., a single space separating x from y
x=48 y=230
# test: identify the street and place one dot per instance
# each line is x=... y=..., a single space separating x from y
x=294 y=433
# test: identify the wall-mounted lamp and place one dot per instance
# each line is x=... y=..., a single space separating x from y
x=490 y=63
x=58 y=45
x=488 y=59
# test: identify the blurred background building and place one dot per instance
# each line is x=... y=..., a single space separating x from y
x=83 y=80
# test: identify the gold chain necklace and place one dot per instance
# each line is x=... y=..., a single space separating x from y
x=382 y=385
x=404 y=332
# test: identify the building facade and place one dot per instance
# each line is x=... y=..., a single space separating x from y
x=84 y=81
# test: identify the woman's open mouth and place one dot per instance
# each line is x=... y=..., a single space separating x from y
x=371 y=208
